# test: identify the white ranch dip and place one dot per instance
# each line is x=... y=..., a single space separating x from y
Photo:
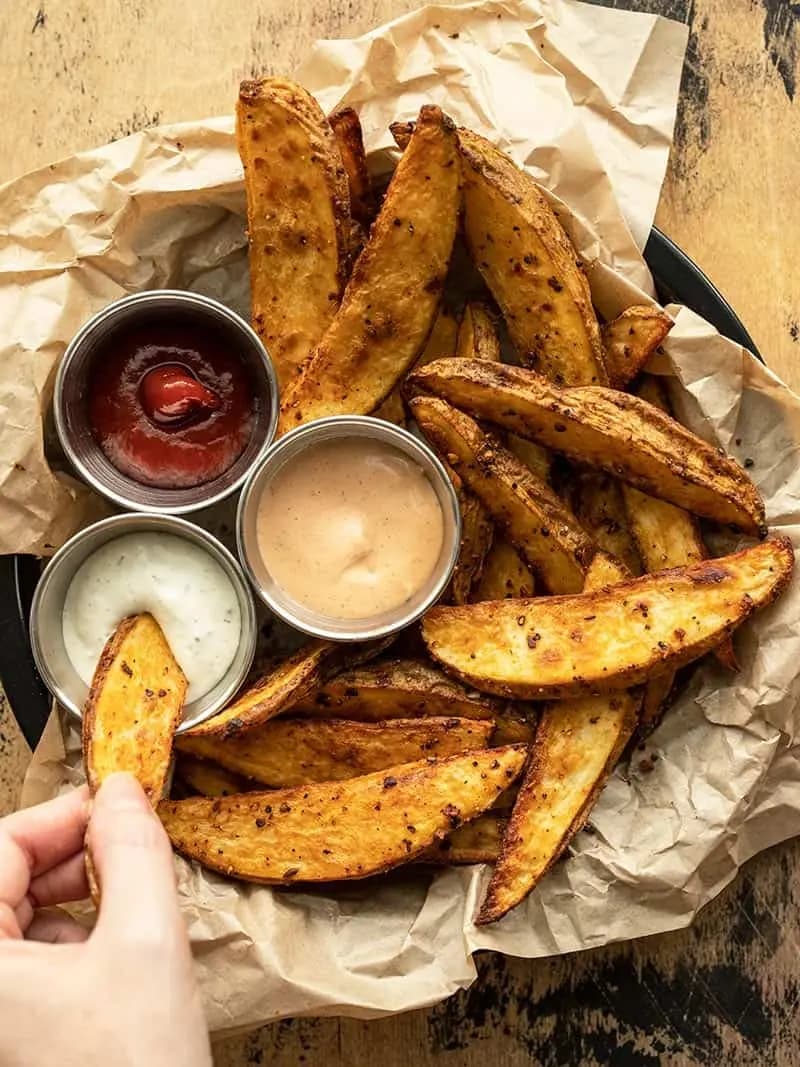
x=178 y=582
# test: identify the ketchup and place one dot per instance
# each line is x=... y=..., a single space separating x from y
x=170 y=403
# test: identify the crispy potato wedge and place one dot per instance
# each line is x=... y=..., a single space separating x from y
x=474 y=842
x=657 y=694
x=504 y=574
x=298 y=218
x=530 y=266
x=286 y=683
x=577 y=745
x=529 y=513
x=611 y=639
x=346 y=128
x=396 y=689
x=596 y=499
x=537 y=459
x=208 y=779
x=134 y=707
x=393 y=409
x=401 y=132
x=477 y=336
x=332 y=831
x=393 y=294
x=287 y=752
x=630 y=339
x=441 y=342
x=604 y=428
x=476 y=540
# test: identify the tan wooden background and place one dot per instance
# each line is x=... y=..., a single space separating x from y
x=75 y=73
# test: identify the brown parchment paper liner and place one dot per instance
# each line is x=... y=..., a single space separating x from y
x=561 y=86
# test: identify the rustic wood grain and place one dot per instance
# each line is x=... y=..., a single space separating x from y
x=79 y=72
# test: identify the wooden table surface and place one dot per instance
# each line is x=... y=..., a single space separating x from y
x=76 y=73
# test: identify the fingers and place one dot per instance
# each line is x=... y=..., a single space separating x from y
x=9 y=924
x=48 y=833
x=63 y=883
x=133 y=859
x=55 y=928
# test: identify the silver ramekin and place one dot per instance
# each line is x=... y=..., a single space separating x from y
x=47 y=639
x=70 y=400
x=301 y=617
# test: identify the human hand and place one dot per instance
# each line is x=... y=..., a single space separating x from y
x=122 y=994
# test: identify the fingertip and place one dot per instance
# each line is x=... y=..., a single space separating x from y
x=121 y=792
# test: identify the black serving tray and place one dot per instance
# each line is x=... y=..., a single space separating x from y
x=678 y=280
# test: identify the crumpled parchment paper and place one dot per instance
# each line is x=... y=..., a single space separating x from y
x=585 y=98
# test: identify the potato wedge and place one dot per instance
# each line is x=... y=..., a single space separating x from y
x=393 y=294
x=287 y=752
x=396 y=689
x=332 y=831
x=477 y=336
x=504 y=574
x=286 y=683
x=577 y=745
x=604 y=428
x=134 y=707
x=530 y=266
x=528 y=512
x=476 y=540
x=474 y=842
x=346 y=128
x=298 y=218
x=611 y=639
x=208 y=779
x=596 y=499
x=630 y=339
x=441 y=342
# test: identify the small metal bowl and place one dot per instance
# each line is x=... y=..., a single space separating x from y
x=71 y=388
x=298 y=615
x=47 y=638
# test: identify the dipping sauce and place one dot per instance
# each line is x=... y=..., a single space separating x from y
x=170 y=403
x=350 y=528
x=179 y=583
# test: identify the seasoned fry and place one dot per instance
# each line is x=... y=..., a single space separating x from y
x=504 y=574
x=577 y=745
x=537 y=459
x=630 y=339
x=298 y=218
x=332 y=831
x=604 y=428
x=284 y=685
x=287 y=752
x=611 y=639
x=208 y=779
x=530 y=266
x=531 y=516
x=441 y=342
x=477 y=337
x=596 y=499
x=476 y=540
x=394 y=689
x=475 y=842
x=134 y=707
x=394 y=291
x=347 y=131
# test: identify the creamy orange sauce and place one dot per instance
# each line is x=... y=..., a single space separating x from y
x=350 y=528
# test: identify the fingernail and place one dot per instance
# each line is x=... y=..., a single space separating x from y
x=121 y=792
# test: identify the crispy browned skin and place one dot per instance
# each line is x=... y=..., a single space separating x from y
x=331 y=831
x=298 y=218
x=528 y=512
x=475 y=842
x=133 y=708
x=288 y=752
x=566 y=646
x=604 y=428
x=350 y=139
x=576 y=748
x=476 y=540
x=477 y=336
x=441 y=342
x=206 y=778
x=666 y=535
x=596 y=499
x=393 y=294
x=504 y=574
x=530 y=266
x=630 y=339
x=286 y=683
x=404 y=689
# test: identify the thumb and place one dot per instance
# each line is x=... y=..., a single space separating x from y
x=133 y=859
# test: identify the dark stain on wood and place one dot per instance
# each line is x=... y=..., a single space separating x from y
x=139 y=120
x=40 y=21
x=780 y=40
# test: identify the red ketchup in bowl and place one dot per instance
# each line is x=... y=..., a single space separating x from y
x=169 y=403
